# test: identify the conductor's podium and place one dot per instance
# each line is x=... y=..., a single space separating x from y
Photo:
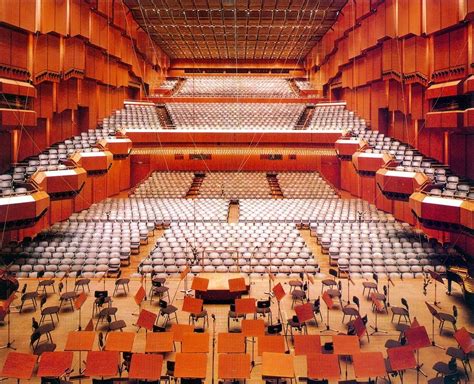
x=368 y=163
x=119 y=146
x=23 y=210
x=94 y=163
x=399 y=185
x=61 y=184
x=443 y=213
x=346 y=147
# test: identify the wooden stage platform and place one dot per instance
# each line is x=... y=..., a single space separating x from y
x=218 y=289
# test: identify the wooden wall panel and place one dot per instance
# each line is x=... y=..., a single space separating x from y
x=368 y=188
x=99 y=188
x=67 y=208
x=20 y=13
x=124 y=174
x=433 y=15
x=19 y=49
x=409 y=17
x=79 y=18
x=458 y=47
x=113 y=178
x=441 y=51
x=54 y=16
x=458 y=153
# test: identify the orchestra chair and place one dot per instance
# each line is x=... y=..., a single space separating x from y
x=330 y=282
x=403 y=311
x=263 y=309
x=371 y=285
x=317 y=311
x=351 y=310
x=122 y=283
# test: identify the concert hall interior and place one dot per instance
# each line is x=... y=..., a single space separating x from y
x=231 y=191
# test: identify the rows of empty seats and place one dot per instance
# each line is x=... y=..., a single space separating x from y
x=409 y=159
x=9 y=186
x=334 y=117
x=86 y=249
x=134 y=116
x=51 y=159
x=305 y=185
x=306 y=211
x=303 y=85
x=160 y=212
x=252 y=249
x=165 y=185
x=235 y=185
x=169 y=84
x=235 y=116
x=394 y=249
x=242 y=86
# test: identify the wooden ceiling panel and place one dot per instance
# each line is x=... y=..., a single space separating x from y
x=229 y=29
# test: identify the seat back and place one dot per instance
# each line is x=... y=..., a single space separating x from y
x=405 y=303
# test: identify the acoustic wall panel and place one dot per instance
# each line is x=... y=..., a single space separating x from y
x=441 y=51
x=54 y=16
x=79 y=18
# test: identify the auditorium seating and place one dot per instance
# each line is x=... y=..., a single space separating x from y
x=394 y=249
x=235 y=116
x=304 y=185
x=306 y=211
x=85 y=249
x=248 y=248
x=165 y=184
x=303 y=85
x=241 y=86
x=134 y=116
x=235 y=185
x=334 y=116
x=157 y=211
x=409 y=159
x=169 y=84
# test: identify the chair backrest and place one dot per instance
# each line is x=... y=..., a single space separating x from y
x=375 y=277
x=156 y=284
x=35 y=336
x=263 y=304
x=170 y=367
x=317 y=304
x=385 y=291
x=101 y=340
x=455 y=312
x=23 y=290
x=356 y=301
x=432 y=309
x=163 y=304
x=101 y=294
x=43 y=301
x=404 y=303
x=275 y=328
x=333 y=272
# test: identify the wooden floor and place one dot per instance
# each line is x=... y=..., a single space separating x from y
x=412 y=290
